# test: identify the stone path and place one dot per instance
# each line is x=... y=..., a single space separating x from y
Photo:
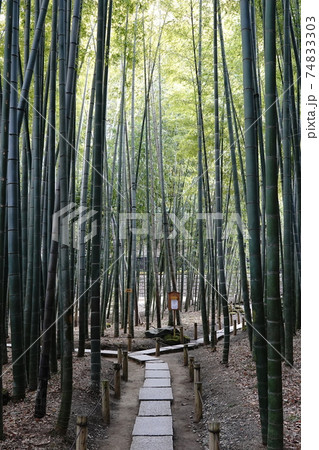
x=153 y=427
x=143 y=356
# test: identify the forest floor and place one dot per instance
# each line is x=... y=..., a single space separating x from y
x=229 y=396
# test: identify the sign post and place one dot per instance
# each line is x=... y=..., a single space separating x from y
x=129 y=291
x=174 y=304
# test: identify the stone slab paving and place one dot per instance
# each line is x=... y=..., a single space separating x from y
x=157 y=373
x=153 y=429
x=153 y=426
x=155 y=408
x=156 y=394
x=142 y=358
x=157 y=382
x=110 y=353
x=152 y=443
x=149 y=351
x=156 y=365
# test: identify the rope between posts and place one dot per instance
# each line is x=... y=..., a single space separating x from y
x=89 y=415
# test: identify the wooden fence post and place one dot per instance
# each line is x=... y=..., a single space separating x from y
x=119 y=355
x=125 y=365
x=215 y=342
x=198 y=401
x=231 y=319
x=238 y=318
x=129 y=342
x=196 y=372
x=106 y=401
x=185 y=355
x=158 y=347
x=195 y=331
x=181 y=335
x=117 y=380
x=243 y=326
x=235 y=327
x=81 y=432
x=214 y=430
x=191 y=368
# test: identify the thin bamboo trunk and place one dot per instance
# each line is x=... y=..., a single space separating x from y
x=64 y=281
x=275 y=411
x=13 y=200
x=218 y=196
x=288 y=298
x=259 y=344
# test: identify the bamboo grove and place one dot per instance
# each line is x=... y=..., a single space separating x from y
x=148 y=147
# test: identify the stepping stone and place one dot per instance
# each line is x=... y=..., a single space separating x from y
x=173 y=348
x=156 y=366
x=109 y=353
x=141 y=358
x=103 y=352
x=153 y=408
x=177 y=346
x=153 y=426
x=156 y=394
x=159 y=361
x=149 y=351
x=152 y=442
x=157 y=373
x=157 y=382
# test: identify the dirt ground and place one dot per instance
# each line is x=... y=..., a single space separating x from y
x=229 y=396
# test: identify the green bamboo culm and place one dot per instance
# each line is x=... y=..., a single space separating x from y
x=240 y=237
x=64 y=291
x=259 y=334
x=23 y=100
x=48 y=340
x=275 y=411
x=35 y=220
x=82 y=229
x=14 y=231
x=4 y=134
x=117 y=249
x=288 y=297
x=200 y=183
x=218 y=194
x=97 y=186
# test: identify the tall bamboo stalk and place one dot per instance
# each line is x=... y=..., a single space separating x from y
x=259 y=344
x=4 y=134
x=97 y=189
x=218 y=199
x=64 y=281
x=288 y=291
x=13 y=198
x=240 y=238
x=275 y=411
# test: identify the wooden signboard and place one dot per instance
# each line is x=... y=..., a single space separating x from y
x=173 y=304
x=174 y=300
